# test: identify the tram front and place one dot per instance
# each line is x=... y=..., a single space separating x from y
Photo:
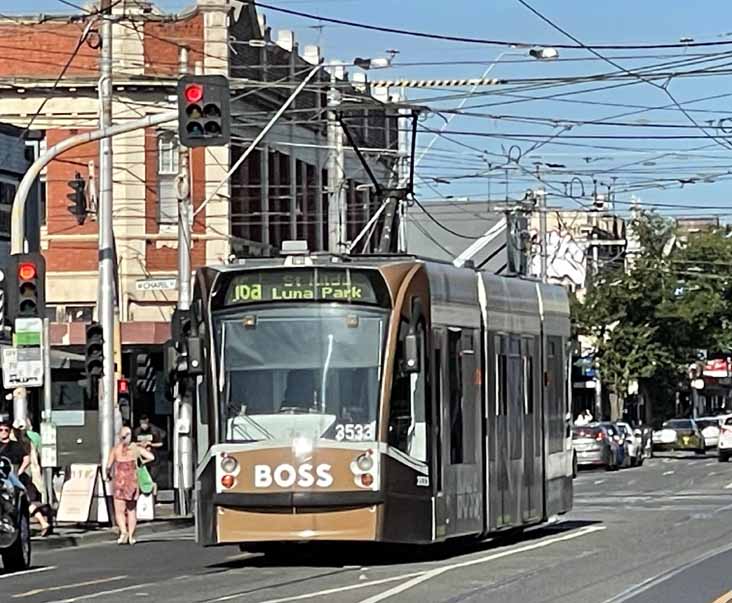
x=292 y=390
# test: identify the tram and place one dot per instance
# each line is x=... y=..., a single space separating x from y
x=383 y=399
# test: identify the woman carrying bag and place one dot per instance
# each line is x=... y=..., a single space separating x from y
x=126 y=466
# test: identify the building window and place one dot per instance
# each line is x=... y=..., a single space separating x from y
x=167 y=174
x=7 y=194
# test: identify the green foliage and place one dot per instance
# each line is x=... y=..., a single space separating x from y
x=674 y=298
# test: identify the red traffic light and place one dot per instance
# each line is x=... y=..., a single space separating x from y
x=193 y=93
x=27 y=271
x=123 y=386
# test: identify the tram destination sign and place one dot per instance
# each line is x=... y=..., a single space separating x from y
x=301 y=285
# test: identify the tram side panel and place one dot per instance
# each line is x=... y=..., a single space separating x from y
x=513 y=410
x=556 y=331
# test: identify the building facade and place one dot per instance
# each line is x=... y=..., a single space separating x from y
x=49 y=74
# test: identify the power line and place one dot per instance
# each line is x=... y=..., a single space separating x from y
x=664 y=87
x=470 y=40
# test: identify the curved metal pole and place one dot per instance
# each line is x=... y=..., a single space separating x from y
x=17 y=231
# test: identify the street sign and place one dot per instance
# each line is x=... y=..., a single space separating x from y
x=22 y=367
x=157 y=284
x=28 y=331
x=49 y=451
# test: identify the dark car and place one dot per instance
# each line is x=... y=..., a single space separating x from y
x=679 y=434
x=15 y=542
x=593 y=445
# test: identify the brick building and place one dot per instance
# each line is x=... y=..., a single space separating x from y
x=279 y=193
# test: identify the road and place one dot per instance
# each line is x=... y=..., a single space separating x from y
x=659 y=533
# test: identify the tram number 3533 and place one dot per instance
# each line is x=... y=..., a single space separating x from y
x=354 y=432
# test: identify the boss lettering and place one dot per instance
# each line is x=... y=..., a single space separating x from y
x=286 y=476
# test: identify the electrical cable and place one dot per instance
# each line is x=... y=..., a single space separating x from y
x=470 y=40
x=664 y=87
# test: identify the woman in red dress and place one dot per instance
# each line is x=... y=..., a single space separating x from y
x=122 y=465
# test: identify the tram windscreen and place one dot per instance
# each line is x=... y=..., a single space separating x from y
x=305 y=372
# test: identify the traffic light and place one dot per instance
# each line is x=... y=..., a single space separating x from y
x=203 y=110
x=94 y=356
x=25 y=287
x=123 y=399
x=145 y=377
x=78 y=198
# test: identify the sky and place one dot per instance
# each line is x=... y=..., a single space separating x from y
x=476 y=155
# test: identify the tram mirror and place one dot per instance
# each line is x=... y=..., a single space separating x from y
x=411 y=353
x=195 y=356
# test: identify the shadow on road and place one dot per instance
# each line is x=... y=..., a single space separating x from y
x=339 y=555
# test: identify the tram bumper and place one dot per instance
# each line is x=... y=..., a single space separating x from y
x=255 y=508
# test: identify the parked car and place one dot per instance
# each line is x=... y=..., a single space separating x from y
x=679 y=434
x=15 y=542
x=635 y=444
x=710 y=430
x=616 y=434
x=594 y=446
x=724 y=449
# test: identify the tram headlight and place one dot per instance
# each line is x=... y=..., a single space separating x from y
x=229 y=464
x=365 y=462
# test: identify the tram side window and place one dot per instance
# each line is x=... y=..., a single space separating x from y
x=470 y=393
x=555 y=394
x=408 y=414
x=516 y=393
x=528 y=346
x=502 y=376
x=455 y=384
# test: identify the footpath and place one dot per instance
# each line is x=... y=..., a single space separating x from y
x=70 y=535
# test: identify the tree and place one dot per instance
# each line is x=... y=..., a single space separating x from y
x=648 y=320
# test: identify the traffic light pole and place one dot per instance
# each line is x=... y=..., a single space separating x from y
x=106 y=253
x=17 y=230
x=183 y=442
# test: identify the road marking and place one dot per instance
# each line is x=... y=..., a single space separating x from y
x=103 y=593
x=725 y=598
x=636 y=589
x=728 y=487
x=38 y=591
x=668 y=472
x=330 y=591
x=35 y=570
x=599 y=481
x=710 y=464
x=416 y=581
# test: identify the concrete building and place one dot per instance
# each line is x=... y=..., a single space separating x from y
x=279 y=193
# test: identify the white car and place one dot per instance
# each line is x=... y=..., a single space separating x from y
x=725 y=440
x=710 y=430
x=634 y=440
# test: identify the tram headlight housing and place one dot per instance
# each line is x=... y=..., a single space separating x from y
x=229 y=464
x=365 y=462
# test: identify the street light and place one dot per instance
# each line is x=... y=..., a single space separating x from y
x=545 y=53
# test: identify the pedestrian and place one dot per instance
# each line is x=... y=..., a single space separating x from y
x=151 y=438
x=18 y=449
x=122 y=466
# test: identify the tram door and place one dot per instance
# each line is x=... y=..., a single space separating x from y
x=532 y=503
x=513 y=446
x=460 y=430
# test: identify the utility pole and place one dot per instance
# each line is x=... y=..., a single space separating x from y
x=106 y=259
x=183 y=468
x=542 y=233
x=337 y=233
x=47 y=405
